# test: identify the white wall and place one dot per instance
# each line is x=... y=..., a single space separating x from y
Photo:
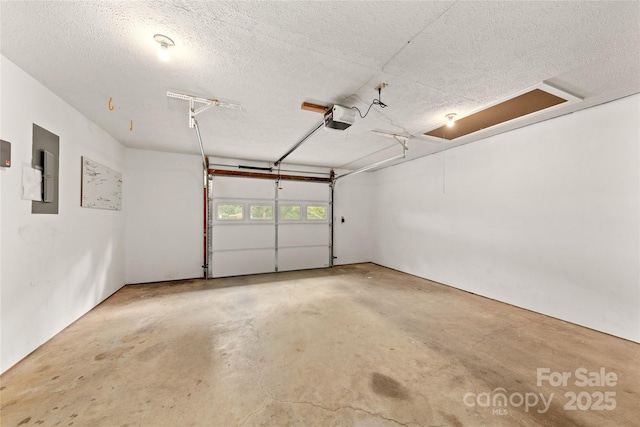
x=546 y=217
x=54 y=268
x=164 y=198
x=352 y=238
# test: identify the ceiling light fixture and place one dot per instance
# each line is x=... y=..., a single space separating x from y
x=450 y=117
x=165 y=44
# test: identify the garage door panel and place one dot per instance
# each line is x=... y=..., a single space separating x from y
x=302 y=258
x=303 y=234
x=234 y=187
x=234 y=237
x=293 y=190
x=238 y=263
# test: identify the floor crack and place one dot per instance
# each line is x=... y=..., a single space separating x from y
x=251 y=414
x=353 y=408
x=254 y=366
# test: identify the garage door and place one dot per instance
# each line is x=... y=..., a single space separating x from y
x=256 y=230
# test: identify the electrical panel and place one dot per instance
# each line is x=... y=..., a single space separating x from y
x=5 y=154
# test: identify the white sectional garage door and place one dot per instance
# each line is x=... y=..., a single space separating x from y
x=256 y=232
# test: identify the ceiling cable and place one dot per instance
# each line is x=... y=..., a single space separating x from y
x=377 y=101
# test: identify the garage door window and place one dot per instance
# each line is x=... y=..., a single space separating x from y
x=261 y=212
x=230 y=211
x=316 y=213
x=290 y=212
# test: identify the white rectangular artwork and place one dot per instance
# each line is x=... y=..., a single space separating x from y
x=101 y=186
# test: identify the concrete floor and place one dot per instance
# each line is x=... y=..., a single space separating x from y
x=357 y=345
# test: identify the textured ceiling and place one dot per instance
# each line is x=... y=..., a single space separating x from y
x=437 y=57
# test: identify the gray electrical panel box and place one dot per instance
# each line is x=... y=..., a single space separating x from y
x=5 y=154
x=45 y=153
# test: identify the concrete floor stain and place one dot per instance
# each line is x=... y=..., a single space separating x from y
x=388 y=387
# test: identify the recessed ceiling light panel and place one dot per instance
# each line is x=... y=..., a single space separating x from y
x=534 y=100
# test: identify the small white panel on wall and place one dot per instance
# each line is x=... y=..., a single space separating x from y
x=101 y=186
x=31 y=183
